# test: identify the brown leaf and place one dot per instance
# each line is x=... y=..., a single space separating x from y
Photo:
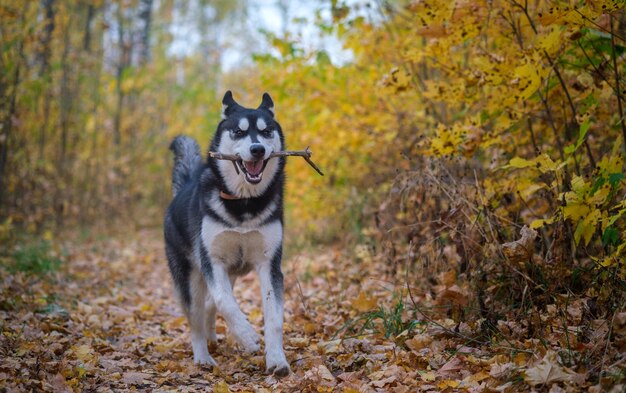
x=419 y=341
x=453 y=294
x=521 y=250
x=451 y=368
x=132 y=378
x=547 y=371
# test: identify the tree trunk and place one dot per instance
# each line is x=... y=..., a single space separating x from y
x=123 y=61
x=8 y=103
x=145 y=15
x=91 y=12
x=44 y=71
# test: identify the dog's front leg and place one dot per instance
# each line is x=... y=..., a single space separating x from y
x=221 y=292
x=271 y=279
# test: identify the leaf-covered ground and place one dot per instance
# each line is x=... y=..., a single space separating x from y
x=108 y=320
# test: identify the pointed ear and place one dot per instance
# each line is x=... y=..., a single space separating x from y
x=267 y=103
x=228 y=104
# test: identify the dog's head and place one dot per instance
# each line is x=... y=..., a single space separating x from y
x=254 y=135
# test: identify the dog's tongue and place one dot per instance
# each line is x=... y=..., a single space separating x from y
x=253 y=167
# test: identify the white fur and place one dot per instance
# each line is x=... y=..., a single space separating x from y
x=271 y=234
x=260 y=124
x=273 y=316
x=221 y=292
x=198 y=322
x=244 y=124
x=236 y=183
x=257 y=245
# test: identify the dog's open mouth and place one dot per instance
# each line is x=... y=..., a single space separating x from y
x=252 y=170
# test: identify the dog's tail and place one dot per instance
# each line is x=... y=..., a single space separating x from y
x=186 y=159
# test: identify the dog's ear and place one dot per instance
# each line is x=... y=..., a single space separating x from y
x=267 y=103
x=228 y=105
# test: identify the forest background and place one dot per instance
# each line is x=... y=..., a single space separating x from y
x=473 y=149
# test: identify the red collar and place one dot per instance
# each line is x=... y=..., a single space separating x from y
x=229 y=197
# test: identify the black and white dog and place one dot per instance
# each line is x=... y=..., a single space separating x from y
x=225 y=220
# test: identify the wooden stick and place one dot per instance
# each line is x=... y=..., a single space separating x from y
x=306 y=154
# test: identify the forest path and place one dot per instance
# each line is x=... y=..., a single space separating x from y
x=108 y=319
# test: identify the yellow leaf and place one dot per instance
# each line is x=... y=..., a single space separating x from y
x=527 y=190
x=575 y=211
x=255 y=314
x=428 y=376
x=364 y=303
x=518 y=162
x=587 y=227
x=310 y=328
x=600 y=195
x=448 y=383
x=529 y=80
x=579 y=186
x=546 y=164
x=539 y=223
x=479 y=376
x=221 y=387
x=84 y=353
x=550 y=42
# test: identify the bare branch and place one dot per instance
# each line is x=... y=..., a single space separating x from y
x=306 y=154
x=618 y=93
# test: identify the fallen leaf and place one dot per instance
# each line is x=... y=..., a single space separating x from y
x=547 y=371
x=132 y=378
x=299 y=342
x=428 y=376
x=448 y=383
x=221 y=387
x=364 y=303
x=450 y=368
x=453 y=294
x=419 y=341
x=521 y=250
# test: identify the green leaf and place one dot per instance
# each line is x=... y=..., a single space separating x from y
x=582 y=132
x=615 y=178
x=610 y=236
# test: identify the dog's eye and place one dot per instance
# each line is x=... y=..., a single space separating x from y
x=266 y=133
x=239 y=132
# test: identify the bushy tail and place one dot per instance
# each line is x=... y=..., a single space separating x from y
x=186 y=159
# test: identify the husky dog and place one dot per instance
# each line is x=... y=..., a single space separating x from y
x=225 y=220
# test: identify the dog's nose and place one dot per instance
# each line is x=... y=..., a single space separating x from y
x=257 y=150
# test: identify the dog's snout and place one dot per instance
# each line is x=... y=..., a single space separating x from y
x=257 y=150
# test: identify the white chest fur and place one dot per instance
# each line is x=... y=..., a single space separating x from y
x=241 y=249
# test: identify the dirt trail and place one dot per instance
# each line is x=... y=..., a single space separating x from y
x=108 y=320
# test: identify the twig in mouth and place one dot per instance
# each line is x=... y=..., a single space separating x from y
x=306 y=154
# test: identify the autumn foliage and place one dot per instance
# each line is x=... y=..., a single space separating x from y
x=474 y=159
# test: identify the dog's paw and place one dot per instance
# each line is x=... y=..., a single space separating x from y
x=204 y=359
x=248 y=339
x=277 y=364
